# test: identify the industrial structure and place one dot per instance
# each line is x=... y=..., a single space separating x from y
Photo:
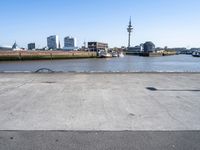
x=95 y=46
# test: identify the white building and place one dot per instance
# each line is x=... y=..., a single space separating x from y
x=70 y=43
x=53 y=42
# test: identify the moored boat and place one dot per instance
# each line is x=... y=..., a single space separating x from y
x=196 y=54
x=121 y=54
x=114 y=54
x=104 y=54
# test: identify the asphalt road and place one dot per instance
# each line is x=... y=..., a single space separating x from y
x=93 y=140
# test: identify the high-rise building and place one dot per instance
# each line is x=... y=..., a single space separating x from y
x=31 y=46
x=53 y=42
x=70 y=43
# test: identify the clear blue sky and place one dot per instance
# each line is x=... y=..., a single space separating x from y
x=173 y=23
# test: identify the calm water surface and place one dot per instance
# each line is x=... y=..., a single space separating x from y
x=177 y=63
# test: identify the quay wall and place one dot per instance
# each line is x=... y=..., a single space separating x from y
x=165 y=53
x=42 y=55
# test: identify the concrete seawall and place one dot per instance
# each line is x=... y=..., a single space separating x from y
x=44 y=55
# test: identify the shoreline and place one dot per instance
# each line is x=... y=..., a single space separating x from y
x=99 y=72
x=44 y=55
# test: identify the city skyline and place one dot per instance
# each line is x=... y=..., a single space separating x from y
x=166 y=23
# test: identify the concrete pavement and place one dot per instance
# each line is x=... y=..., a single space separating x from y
x=59 y=111
x=101 y=101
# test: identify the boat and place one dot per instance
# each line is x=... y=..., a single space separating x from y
x=114 y=54
x=121 y=54
x=104 y=54
x=196 y=54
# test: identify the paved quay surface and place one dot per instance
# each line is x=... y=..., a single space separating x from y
x=95 y=111
x=100 y=101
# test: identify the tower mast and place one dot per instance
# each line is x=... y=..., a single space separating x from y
x=129 y=29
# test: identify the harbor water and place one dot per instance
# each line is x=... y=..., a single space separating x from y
x=176 y=63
